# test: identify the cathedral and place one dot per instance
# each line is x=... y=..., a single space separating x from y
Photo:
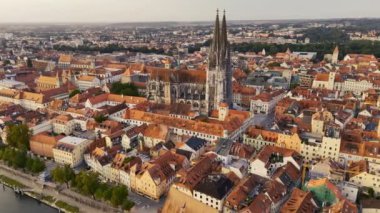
x=219 y=72
x=203 y=90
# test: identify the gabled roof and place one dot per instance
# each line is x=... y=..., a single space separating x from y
x=299 y=202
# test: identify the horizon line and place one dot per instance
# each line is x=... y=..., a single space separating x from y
x=188 y=21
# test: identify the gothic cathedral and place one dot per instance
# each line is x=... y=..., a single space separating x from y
x=219 y=72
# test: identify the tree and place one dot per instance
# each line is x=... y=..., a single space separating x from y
x=37 y=165
x=100 y=118
x=63 y=174
x=119 y=193
x=18 y=136
x=87 y=183
x=124 y=89
x=127 y=205
x=74 y=92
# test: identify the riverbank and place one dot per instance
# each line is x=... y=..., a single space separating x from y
x=65 y=199
x=17 y=187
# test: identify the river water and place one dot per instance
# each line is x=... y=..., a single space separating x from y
x=10 y=202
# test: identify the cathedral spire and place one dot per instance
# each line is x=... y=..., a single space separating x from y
x=215 y=42
x=223 y=37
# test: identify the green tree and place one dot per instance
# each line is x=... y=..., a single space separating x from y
x=100 y=118
x=18 y=136
x=37 y=166
x=87 y=183
x=127 y=205
x=74 y=92
x=119 y=193
x=63 y=174
x=124 y=89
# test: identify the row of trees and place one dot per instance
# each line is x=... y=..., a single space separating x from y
x=19 y=159
x=124 y=89
x=88 y=183
x=360 y=47
x=108 y=49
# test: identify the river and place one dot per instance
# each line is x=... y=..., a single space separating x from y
x=10 y=202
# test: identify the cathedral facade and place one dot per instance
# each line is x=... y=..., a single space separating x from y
x=219 y=72
x=203 y=90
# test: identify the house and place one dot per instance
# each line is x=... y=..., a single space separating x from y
x=265 y=102
x=155 y=134
x=270 y=158
x=271 y=196
x=63 y=124
x=299 y=202
x=244 y=191
x=85 y=82
x=42 y=144
x=259 y=138
x=194 y=145
x=154 y=178
x=69 y=150
x=131 y=137
x=213 y=190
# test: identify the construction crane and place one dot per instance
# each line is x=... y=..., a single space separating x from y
x=344 y=171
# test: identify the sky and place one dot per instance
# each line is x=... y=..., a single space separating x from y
x=64 y=11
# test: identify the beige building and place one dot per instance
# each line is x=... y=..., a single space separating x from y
x=85 y=82
x=70 y=150
x=155 y=134
x=63 y=124
x=318 y=121
x=154 y=178
x=259 y=138
x=289 y=141
x=366 y=179
x=324 y=81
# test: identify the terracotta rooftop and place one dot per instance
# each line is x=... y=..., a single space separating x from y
x=299 y=202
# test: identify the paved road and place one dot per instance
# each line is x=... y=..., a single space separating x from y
x=145 y=205
x=263 y=120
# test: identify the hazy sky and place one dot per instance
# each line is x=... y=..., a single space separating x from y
x=180 y=10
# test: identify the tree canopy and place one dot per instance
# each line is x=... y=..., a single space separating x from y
x=20 y=160
x=63 y=174
x=18 y=136
x=74 y=92
x=124 y=89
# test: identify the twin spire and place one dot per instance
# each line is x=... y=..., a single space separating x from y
x=219 y=45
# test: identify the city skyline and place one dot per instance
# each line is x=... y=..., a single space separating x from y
x=113 y=11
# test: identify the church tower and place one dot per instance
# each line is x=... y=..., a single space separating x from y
x=335 y=55
x=219 y=72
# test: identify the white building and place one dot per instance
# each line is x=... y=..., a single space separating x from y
x=70 y=150
x=265 y=103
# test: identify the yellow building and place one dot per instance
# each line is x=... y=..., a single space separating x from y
x=69 y=150
x=289 y=141
x=48 y=82
x=154 y=178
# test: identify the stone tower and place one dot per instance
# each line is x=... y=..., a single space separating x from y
x=219 y=72
x=335 y=55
